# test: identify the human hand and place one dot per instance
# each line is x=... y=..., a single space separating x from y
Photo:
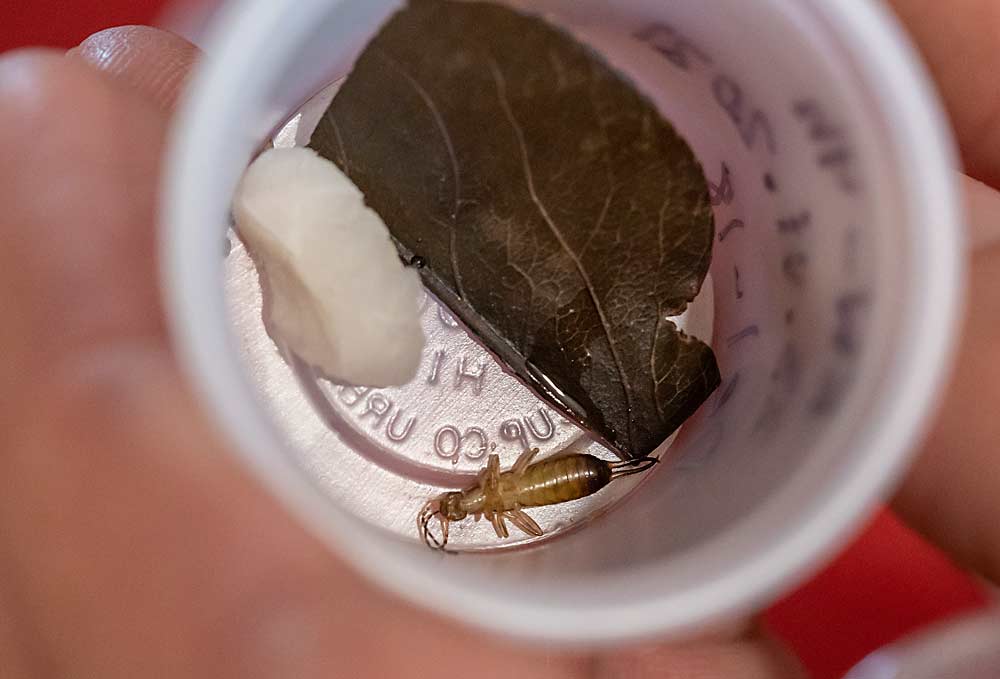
x=131 y=544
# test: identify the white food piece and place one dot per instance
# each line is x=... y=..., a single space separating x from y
x=336 y=293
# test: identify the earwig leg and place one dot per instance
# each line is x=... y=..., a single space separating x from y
x=523 y=460
x=496 y=518
x=490 y=478
x=524 y=522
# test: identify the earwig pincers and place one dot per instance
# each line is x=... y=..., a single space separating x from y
x=501 y=496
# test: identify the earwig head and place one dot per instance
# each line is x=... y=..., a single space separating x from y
x=446 y=508
x=451 y=507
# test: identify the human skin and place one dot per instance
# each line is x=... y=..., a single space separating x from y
x=131 y=541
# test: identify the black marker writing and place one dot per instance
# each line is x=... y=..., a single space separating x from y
x=723 y=192
x=678 y=49
x=751 y=123
x=749 y=331
x=733 y=224
x=834 y=152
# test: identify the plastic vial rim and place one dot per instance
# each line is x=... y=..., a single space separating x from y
x=920 y=142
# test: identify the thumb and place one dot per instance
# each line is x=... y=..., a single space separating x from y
x=153 y=62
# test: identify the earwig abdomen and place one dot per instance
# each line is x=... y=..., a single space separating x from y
x=562 y=479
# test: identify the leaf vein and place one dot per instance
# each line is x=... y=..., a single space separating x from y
x=600 y=219
x=340 y=142
x=453 y=255
x=659 y=230
x=652 y=360
x=438 y=120
x=501 y=85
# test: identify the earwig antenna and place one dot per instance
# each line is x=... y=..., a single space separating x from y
x=430 y=538
x=428 y=512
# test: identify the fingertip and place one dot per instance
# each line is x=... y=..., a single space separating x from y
x=950 y=492
x=80 y=169
x=958 y=42
x=154 y=62
x=983 y=208
x=21 y=70
x=39 y=86
x=758 y=657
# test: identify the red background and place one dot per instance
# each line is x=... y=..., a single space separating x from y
x=887 y=583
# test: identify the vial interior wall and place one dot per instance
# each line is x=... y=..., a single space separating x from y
x=794 y=267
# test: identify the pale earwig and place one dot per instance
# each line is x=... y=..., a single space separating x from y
x=500 y=496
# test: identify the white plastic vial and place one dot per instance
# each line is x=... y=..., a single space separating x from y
x=837 y=278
